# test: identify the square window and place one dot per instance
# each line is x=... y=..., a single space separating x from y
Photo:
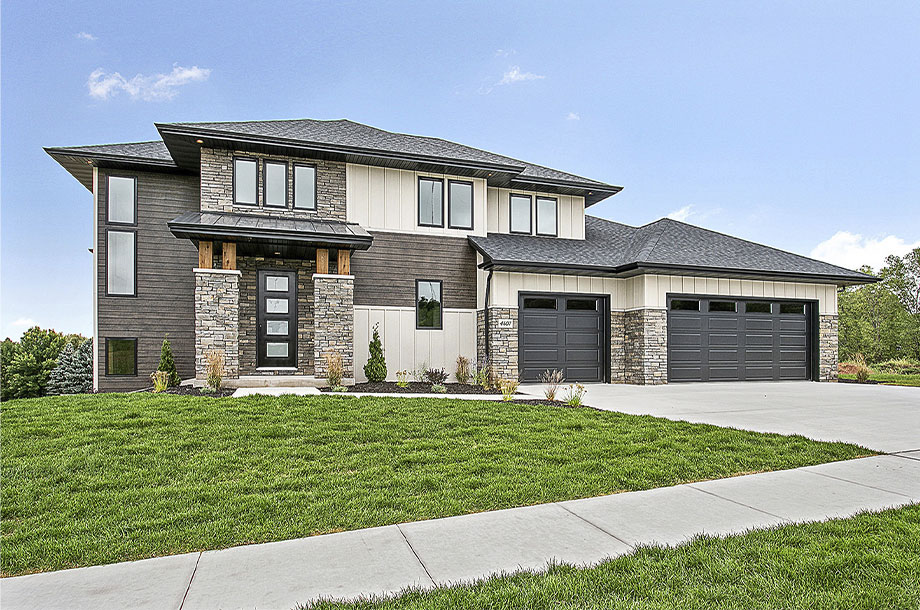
x=245 y=177
x=120 y=263
x=460 y=204
x=276 y=305
x=122 y=194
x=121 y=356
x=276 y=350
x=276 y=283
x=428 y=304
x=276 y=184
x=430 y=202
x=276 y=327
x=305 y=187
x=546 y=216
x=520 y=214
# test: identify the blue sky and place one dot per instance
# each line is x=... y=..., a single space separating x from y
x=793 y=124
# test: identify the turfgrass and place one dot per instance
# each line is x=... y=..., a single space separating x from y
x=866 y=562
x=98 y=479
x=890 y=379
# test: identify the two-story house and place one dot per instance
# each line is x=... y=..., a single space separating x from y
x=278 y=242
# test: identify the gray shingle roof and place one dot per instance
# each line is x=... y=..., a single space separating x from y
x=342 y=132
x=153 y=150
x=612 y=247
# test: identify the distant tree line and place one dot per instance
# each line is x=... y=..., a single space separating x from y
x=881 y=321
x=45 y=362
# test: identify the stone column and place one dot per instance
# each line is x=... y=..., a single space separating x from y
x=217 y=319
x=503 y=341
x=334 y=322
x=617 y=347
x=646 y=346
x=827 y=348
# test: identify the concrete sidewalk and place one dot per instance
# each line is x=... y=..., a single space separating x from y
x=427 y=553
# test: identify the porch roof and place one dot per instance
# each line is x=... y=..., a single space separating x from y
x=269 y=230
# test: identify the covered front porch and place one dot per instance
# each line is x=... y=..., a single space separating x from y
x=273 y=296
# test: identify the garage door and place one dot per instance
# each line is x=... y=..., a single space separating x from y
x=564 y=332
x=718 y=339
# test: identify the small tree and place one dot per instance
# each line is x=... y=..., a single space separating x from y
x=167 y=364
x=376 y=367
x=31 y=363
x=74 y=372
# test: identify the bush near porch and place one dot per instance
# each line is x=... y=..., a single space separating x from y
x=95 y=479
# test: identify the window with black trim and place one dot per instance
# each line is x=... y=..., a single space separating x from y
x=520 y=214
x=547 y=216
x=245 y=181
x=539 y=303
x=792 y=308
x=304 y=187
x=275 y=188
x=756 y=308
x=120 y=357
x=459 y=204
x=121 y=263
x=581 y=304
x=428 y=304
x=684 y=305
x=723 y=306
x=430 y=202
x=122 y=200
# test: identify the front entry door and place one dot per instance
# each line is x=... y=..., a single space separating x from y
x=277 y=319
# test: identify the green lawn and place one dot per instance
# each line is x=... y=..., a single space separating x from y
x=867 y=562
x=908 y=380
x=98 y=479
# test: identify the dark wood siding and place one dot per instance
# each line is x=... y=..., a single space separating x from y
x=386 y=273
x=165 y=283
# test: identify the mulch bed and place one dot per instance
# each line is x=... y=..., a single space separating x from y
x=187 y=390
x=415 y=387
x=867 y=382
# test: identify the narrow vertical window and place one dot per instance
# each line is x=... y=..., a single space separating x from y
x=276 y=184
x=430 y=202
x=245 y=178
x=520 y=214
x=459 y=204
x=120 y=267
x=547 y=214
x=428 y=304
x=305 y=187
x=122 y=196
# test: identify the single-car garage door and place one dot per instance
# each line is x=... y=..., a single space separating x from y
x=721 y=339
x=564 y=332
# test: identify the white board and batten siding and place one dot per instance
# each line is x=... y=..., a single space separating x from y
x=386 y=199
x=570 y=210
x=406 y=347
x=651 y=290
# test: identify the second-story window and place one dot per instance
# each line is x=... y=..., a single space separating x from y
x=275 y=184
x=459 y=204
x=122 y=200
x=305 y=187
x=520 y=214
x=245 y=179
x=430 y=202
x=546 y=216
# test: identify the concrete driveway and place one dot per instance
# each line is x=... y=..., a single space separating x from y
x=882 y=418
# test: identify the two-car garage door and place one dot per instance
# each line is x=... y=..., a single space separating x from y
x=720 y=339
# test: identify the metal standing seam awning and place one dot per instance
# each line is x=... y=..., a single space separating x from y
x=267 y=235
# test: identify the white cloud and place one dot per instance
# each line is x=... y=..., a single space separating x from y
x=514 y=75
x=683 y=213
x=15 y=328
x=86 y=36
x=504 y=52
x=155 y=87
x=852 y=250
x=573 y=116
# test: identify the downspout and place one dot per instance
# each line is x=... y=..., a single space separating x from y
x=486 y=314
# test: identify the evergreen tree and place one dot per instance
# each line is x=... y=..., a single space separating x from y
x=74 y=372
x=376 y=367
x=55 y=385
x=167 y=364
x=31 y=363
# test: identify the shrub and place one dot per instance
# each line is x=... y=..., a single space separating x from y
x=551 y=379
x=74 y=372
x=160 y=381
x=402 y=379
x=508 y=387
x=898 y=367
x=436 y=376
x=214 y=370
x=463 y=370
x=575 y=395
x=862 y=373
x=28 y=363
x=335 y=369
x=483 y=377
x=437 y=387
x=376 y=367
x=167 y=364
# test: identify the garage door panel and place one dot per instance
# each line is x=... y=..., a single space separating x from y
x=576 y=373
x=758 y=323
x=758 y=355
x=787 y=340
x=680 y=356
x=582 y=322
x=541 y=355
x=723 y=355
x=683 y=322
x=758 y=340
x=571 y=340
x=542 y=338
x=580 y=339
x=716 y=323
x=685 y=373
x=685 y=339
x=796 y=324
x=534 y=322
x=717 y=339
x=581 y=356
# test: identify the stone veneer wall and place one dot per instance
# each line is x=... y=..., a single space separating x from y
x=646 y=346
x=503 y=342
x=217 y=185
x=617 y=347
x=827 y=347
x=333 y=321
x=217 y=312
x=249 y=267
